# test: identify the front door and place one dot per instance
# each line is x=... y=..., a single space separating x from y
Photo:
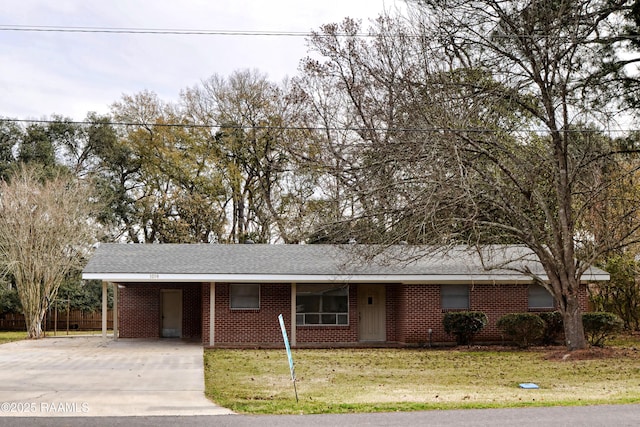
x=171 y=313
x=372 y=313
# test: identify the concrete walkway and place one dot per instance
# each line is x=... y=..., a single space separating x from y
x=89 y=376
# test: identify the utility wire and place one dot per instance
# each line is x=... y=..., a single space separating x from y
x=202 y=32
x=108 y=30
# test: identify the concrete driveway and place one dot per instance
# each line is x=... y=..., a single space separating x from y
x=89 y=376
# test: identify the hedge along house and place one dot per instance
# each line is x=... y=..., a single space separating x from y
x=231 y=295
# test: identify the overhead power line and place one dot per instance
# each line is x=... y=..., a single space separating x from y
x=302 y=128
x=173 y=31
x=204 y=32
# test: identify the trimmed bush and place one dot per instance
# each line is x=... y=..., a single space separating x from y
x=523 y=328
x=601 y=326
x=463 y=325
x=553 y=327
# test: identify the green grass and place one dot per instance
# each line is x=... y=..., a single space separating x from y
x=370 y=380
x=8 y=336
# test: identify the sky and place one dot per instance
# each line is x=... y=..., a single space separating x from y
x=70 y=74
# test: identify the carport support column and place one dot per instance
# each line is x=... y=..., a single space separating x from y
x=293 y=314
x=104 y=310
x=115 y=311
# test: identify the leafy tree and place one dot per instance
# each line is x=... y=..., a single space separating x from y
x=45 y=230
x=621 y=295
x=615 y=75
x=78 y=295
x=115 y=169
x=37 y=146
x=160 y=176
x=10 y=135
x=47 y=144
x=9 y=300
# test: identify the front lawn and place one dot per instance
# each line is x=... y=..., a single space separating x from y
x=8 y=336
x=368 y=380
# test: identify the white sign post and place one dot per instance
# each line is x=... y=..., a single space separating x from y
x=289 y=356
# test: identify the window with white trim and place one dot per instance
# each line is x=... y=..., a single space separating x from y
x=322 y=304
x=540 y=298
x=244 y=296
x=454 y=297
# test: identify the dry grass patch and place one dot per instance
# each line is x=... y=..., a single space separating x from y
x=9 y=336
x=366 y=380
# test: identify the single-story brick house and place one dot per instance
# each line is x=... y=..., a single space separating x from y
x=231 y=295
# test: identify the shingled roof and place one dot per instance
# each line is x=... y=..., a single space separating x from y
x=310 y=263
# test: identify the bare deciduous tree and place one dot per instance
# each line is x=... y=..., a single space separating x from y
x=249 y=120
x=488 y=142
x=533 y=188
x=45 y=229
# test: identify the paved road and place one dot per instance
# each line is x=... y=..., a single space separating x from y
x=605 y=415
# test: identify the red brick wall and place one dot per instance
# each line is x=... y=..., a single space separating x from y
x=139 y=309
x=417 y=308
x=495 y=301
x=259 y=326
x=584 y=298
x=395 y=312
x=412 y=309
x=422 y=311
x=191 y=310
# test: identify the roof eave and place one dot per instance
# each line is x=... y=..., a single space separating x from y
x=316 y=278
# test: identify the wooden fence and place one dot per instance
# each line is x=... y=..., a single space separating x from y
x=75 y=320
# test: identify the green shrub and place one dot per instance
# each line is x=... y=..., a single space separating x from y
x=523 y=328
x=463 y=325
x=601 y=326
x=553 y=327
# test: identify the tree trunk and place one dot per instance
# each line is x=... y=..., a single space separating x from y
x=34 y=325
x=573 y=329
